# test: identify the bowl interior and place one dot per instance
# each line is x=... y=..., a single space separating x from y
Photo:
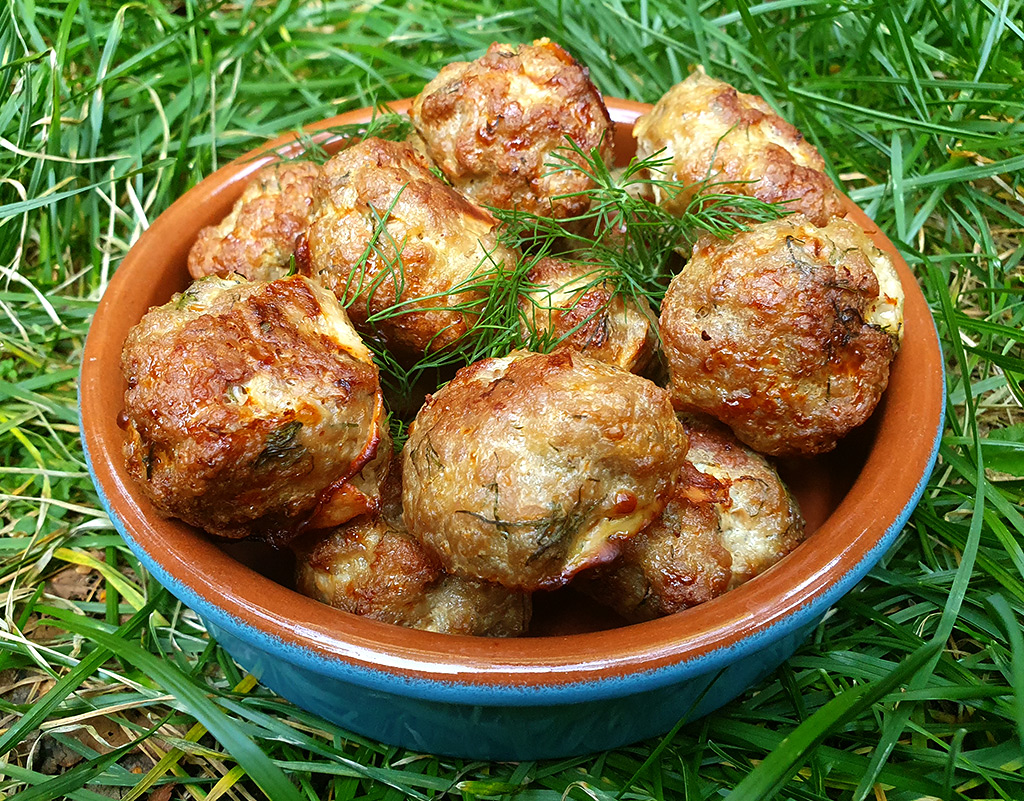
x=852 y=498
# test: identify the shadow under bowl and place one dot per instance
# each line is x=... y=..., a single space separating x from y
x=585 y=685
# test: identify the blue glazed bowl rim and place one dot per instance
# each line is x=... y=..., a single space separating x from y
x=442 y=690
x=460 y=670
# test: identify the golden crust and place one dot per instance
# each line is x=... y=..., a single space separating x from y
x=248 y=404
x=729 y=518
x=676 y=562
x=360 y=494
x=257 y=239
x=710 y=130
x=372 y=567
x=564 y=302
x=782 y=333
x=759 y=522
x=432 y=241
x=492 y=126
x=368 y=567
x=525 y=469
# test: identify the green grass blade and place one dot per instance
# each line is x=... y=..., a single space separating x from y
x=247 y=753
x=781 y=764
x=42 y=708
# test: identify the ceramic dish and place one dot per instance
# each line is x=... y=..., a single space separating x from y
x=583 y=686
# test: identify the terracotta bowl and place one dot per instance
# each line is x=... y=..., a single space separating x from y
x=585 y=683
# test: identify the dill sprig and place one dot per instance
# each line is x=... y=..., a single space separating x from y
x=923 y=100
x=632 y=241
x=493 y=288
x=625 y=239
x=319 y=146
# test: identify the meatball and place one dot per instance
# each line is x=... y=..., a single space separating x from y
x=367 y=567
x=257 y=239
x=372 y=567
x=730 y=518
x=525 y=469
x=568 y=301
x=404 y=251
x=250 y=406
x=493 y=126
x=676 y=562
x=758 y=520
x=785 y=333
x=708 y=130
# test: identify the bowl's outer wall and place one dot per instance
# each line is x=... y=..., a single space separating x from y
x=510 y=732
x=444 y=717
x=476 y=697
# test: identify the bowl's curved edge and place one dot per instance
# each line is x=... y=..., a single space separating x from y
x=513 y=693
x=456 y=685
x=513 y=732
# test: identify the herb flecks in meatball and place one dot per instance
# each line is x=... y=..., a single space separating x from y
x=736 y=143
x=258 y=238
x=785 y=333
x=494 y=125
x=372 y=567
x=250 y=406
x=570 y=303
x=402 y=250
x=525 y=469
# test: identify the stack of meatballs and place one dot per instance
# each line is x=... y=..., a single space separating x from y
x=631 y=460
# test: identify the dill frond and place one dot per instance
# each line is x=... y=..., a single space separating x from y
x=634 y=243
x=318 y=147
x=624 y=240
x=493 y=290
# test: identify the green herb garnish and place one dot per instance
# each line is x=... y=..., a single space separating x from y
x=624 y=239
x=318 y=147
x=281 y=448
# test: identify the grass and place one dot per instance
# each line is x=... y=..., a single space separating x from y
x=914 y=686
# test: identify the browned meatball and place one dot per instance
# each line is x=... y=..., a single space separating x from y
x=250 y=406
x=257 y=239
x=567 y=301
x=525 y=469
x=367 y=567
x=494 y=124
x=758 y=520
x=785 y=333
x=709 y=130
x=676 y=562
x=372 y=567
x=388 y=232
x=730 y=518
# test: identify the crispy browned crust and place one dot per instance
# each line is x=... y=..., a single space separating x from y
x=729 y=518
x=493 y=124
x=368 y=567
x=372 y=567
x=712 y=131
x=771 y=333
x=257 y=239
x=248 y=404
x=525 y=469
x=361 y=493
x=565 y=302
x=759 y=520
x=388 y=230
x=676 y=562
